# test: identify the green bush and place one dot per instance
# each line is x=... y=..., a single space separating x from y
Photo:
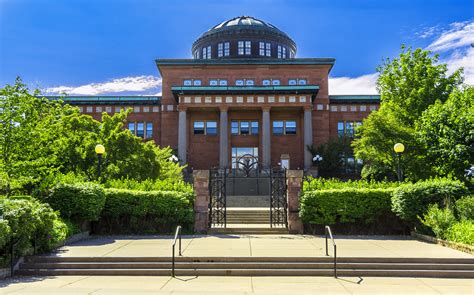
x=461 y=232
x=27 y=220
x=344 y=205
x=79 y=202
x=410 y=201
x=465 y=208
x=312 y=184
x=439 y=220
x=137 y=211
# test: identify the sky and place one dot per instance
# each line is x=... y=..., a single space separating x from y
x=108 y=47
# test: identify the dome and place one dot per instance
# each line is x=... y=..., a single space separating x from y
x=244 y=37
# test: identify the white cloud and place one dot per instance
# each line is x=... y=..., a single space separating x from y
x=126 y=84
x=358 y=85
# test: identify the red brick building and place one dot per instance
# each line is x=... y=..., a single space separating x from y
x=244 y=91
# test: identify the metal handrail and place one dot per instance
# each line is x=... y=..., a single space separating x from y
x=176 y=235
x=327 y=230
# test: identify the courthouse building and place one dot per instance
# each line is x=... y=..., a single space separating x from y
x=245 y=91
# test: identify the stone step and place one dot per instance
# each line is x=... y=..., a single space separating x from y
x=248 y=230
x=251 y=272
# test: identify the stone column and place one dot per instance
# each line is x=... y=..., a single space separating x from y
x=223 y=139
x=201 y=203
x=294 y=182
x=266 y=137
x=308 y=136
x=182 y=135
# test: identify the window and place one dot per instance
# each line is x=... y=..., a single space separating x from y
x=198 y=127
x=340 y=129
x=223 y=82
x=234 y=127
x=254 y=127
x=155 y=109
x=283 y=52
x=208 y=52
x=248 y=47
x=278 y=127
x=149 y=130
x=98 y=109
x=188 y=82
x=136 y=109
x=226 y=49
x=213 y=82
x=108 y=109
x=131 y=127
x=211 y=128
x=244 y=128
x=347 y=128
x=239 y=152
x=204 y=53
x=146 y=109
x=197 y=54
x=140 y=130
x=292 y=82
x=240 y=48
x=266 y=82
x=261 y=48
x=268 y=49
x=292 y=54
x=197 y=82
x=117 y=109
x=301 y=81
x=275 y=82
x=239 y=82
x=279 y=51
x=220 y=49
x=290 y=127
x=249 y=82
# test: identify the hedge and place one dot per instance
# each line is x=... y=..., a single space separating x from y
x=411 y=201
x=312 y=184
x=465 y=208
x=129 y=211
x=79 y=202
x=344 y=205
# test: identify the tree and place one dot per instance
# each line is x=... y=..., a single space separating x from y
x=446 y=130
x=332 y=164
x=408 y=85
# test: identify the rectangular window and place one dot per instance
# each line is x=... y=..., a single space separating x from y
x=223 y=82
x=244 y=128
x=117 y=109
x=268 y=49
x=301 y=81
x=198 y=127
x=290 y=127
x=208 y=52
x=131 y=127
x=98 y=109
x=220 y=49
x=211 y=128
x=136 y=109
x=279 y=51
x=239 y=82
x=340 y=128
x=254 y=127
x=283 y=52
x=275 y=82
x=204 y=53
x=197 y=82
x=213 y=82
x=261 y=48
x=108 y=109
x=278 y=127
x=226 y=49
x=248 y=48
x=249 y=82
x=149 y=130
x=140 y=130
x=146 y=109
x=350 y=128
x=234 y=127
x=240 y=48
x=266 y=82
x=292 y=82
x=188 y=82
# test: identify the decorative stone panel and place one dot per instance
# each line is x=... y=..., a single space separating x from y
x=294 y=181
x=201 y=189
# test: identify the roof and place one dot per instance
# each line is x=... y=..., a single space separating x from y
x=354 y=98
x=245 y=61
x=109 y=99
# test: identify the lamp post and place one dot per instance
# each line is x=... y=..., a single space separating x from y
x=399 y=148
x=99 y=150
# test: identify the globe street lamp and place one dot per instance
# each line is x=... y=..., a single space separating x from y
x=399 y=148
x=99 y=150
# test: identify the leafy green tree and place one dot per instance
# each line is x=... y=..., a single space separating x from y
x=331 y=151
x=408 y=85
x=446 y=130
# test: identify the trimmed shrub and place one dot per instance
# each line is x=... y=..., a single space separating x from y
x=145 y=211
x=410 y=201
x=312 y=184
x=79 y=202
x=344 y=205
x=461 y=232
x=439 y=220
x=465 y=208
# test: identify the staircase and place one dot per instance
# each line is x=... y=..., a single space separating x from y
x=248 y=221
x=249 y=266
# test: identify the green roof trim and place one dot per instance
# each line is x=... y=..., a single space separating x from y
x=354 y=98
x=86 y=99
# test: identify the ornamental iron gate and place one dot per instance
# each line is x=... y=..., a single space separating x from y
x=243 y=168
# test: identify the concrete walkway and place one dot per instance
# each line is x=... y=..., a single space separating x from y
x=233 y=285
x=258 y=245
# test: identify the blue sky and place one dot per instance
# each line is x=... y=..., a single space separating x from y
x=107 y=47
